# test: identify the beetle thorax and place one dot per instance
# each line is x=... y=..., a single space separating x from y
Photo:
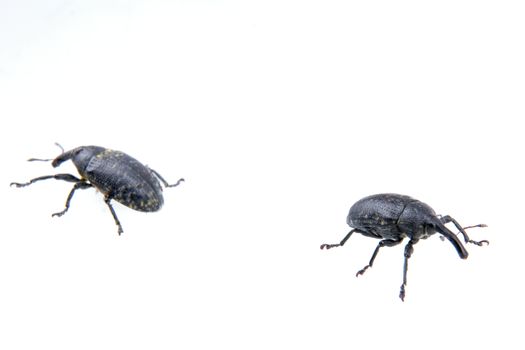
x=83 y=156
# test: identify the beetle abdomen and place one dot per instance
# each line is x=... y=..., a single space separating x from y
x=126 y=180
x=140 y=197
x=377 y=215
x=386 y=207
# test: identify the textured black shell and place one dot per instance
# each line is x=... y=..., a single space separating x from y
x=391 y=216
x=120 y=177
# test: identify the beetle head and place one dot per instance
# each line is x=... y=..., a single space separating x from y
x=80 y=156
x=422 y=214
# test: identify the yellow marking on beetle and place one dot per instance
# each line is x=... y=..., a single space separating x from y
x=105 y=153
x=109 y=153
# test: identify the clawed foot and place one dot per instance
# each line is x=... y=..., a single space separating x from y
x=479 y=243
x=329 y=246
x=177 y=183
x=362 y=271
x=59 y=214
x=402 y=293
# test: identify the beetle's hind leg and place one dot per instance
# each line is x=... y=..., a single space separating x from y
x=383 y=243
x=79 y=185
x=409 y=249
x=117 y=222
x=447 y=218
x=166 y=184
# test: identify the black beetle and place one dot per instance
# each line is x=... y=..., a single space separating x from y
x=392 y=217
x=115 y=174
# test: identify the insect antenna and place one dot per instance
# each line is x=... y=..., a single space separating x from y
x=46 y=160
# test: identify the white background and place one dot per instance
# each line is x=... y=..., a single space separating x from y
x=280 y=115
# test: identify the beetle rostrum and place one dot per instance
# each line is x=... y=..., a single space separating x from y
x=115 y=174
x=392 y=217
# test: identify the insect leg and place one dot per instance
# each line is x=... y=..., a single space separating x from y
x=166 y=184
x=79 y=185
x=108 y=200
x=383 y=243
x=64 y=177
x=447 y=218
x=328 y=246
x=409 y=249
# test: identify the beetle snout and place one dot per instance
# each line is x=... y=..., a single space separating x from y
x=58 y=160
x=452 y=238
x=72 y=154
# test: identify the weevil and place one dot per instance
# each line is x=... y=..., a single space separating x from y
x=393 y=217
x=115 y=174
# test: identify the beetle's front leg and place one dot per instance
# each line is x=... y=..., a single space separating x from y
x=107 y=199
x=409 y=249
x=447 y=218
x=383 y=243
x=63 y=177
x=329 y=246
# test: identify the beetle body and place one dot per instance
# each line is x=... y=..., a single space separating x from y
x=115 y=174
x=393 y=217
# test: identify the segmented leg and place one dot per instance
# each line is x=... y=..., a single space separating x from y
x=108 y=200
x=166 y=184
x=447 y=218
x=63 y=177
x=79 y=185
x=329 y=246
x=409 y=249
x=383 y=243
